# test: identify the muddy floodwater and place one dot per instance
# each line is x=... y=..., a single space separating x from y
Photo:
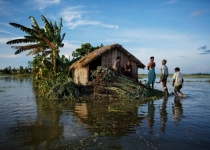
x=27 y=122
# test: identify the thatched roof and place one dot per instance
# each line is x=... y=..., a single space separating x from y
x=85 y=60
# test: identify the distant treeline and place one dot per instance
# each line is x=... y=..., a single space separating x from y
x=197 y=75
x=20 y=70
x=200 y=74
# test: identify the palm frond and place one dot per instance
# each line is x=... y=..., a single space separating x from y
x=34 y=51
x=46 y=53
x=48 y=28
x=21 y=49
x=34 y=21
x=18 y=41
x=63 y=36
x=34 y=38
x=61 y=25
x=24 y=29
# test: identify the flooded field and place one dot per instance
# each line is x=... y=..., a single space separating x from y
x=27 y=122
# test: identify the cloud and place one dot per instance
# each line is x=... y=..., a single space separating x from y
x=3 y=31
x=206 y=52
x=117 y=40
x=183 y=57
x=171 y=2
x=68 y=48
x=5 y=40
x=4 y=8
x=5 y=24
x=202 y=47
x=8 y=56
x=197 y=13
x=42 y=4
x=74 y=17
x=203 y=50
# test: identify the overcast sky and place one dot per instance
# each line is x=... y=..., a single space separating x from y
x=176 y=30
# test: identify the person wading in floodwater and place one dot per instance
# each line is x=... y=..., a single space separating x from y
x=177 y=82
x=164 y=76
x=151 y=74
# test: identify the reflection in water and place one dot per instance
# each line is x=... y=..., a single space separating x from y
x=81 y=110
x=36 y=133
x=44 y=130
x=150 y=115
x=107 y=118
x=163 y=115
x=101 y=117
x=14 y=79
x=177 y=110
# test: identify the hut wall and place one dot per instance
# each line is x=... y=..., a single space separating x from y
x=81 y=75
x=109 y=58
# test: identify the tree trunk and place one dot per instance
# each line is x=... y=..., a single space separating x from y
x=54 y=61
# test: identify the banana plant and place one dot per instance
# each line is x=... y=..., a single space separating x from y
x=45 y=40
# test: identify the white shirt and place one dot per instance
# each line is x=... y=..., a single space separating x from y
x=178 y=78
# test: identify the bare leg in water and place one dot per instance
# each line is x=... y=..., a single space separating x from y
x=165 y=86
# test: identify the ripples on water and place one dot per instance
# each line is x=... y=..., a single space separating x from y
x=30 y=123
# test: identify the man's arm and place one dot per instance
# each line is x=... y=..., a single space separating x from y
x=174 y=78
x=173 y=82
x=114 y=66
x=148 y=65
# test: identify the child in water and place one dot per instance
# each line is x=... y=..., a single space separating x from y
x=177 y=82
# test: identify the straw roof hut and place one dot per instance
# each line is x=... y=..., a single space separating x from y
x=104 y=56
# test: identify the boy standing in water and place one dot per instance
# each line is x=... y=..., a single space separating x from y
x=151 y=73
x=177 y=82
x=164 y=76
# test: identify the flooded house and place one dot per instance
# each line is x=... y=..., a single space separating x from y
x=104 y=56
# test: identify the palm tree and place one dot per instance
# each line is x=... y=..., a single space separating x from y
x=54 y=37
x=45 y=40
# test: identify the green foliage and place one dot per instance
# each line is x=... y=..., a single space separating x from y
x=61 y=88
x=103 y=74
x=45 y=41
x=21 y=70
x=32 y=38
x=84 y=50
x=6 y=71
x=65 y=90
x=16 y=71
x=107 y=84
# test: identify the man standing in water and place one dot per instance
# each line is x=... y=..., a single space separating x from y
x=151 y=74
x=164 y=76
x=177 y=82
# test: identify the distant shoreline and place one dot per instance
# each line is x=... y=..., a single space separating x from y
x=184 y=75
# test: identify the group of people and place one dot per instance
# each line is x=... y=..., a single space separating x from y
x=177 y=77
x=125 y=70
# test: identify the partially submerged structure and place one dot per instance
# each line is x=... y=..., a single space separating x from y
x=104 y=56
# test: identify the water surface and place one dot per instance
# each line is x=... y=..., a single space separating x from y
x=27 y=122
